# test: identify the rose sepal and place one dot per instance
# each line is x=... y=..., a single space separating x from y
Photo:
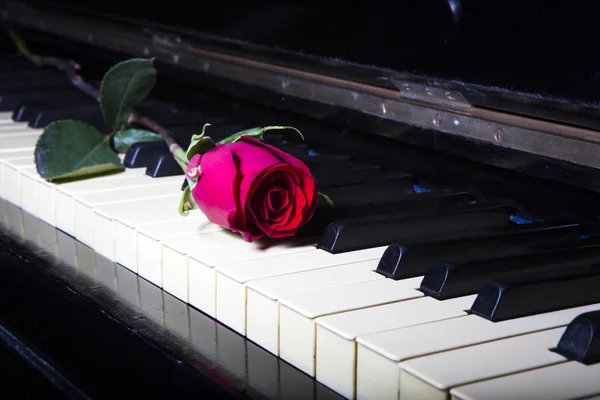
x=256 y=133
x=200 y=144
x=187 y=202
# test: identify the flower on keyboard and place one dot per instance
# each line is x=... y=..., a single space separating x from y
x=239 y=183
x=252 y=188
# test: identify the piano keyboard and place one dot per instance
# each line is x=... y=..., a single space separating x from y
x=191 y=335
x=336 y=302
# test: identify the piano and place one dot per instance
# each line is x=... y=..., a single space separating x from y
x=459 y=141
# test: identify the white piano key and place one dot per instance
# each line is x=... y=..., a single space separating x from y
x=390 y=348
x=569 y=380
x=336 y=334
x=202 y=263
x=8 y=125
x=261 y=310
x=231 y=279
x=11 y=157
x=298 y=313
x=11 y=178
x=65 y=194
x=18 y=154
x=34 y=188
x=137 y=214
x=84 y=203
x=150 y=245
x=28 y=197
x=431 y=377
x=8 y=131
x=45 y=209
x=127 y=220
x=16 y=131
x=20 y=142
x=175 y=266
x=6 y=117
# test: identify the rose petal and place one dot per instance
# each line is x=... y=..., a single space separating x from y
x=254 y=161
x=277 y=199
x=216 y=192
x=298 y=206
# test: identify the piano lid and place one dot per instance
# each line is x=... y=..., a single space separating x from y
x=523 y=57
x=518 y=75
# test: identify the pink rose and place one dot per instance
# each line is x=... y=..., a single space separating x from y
x=253 y=188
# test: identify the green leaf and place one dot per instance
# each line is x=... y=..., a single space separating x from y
x=187 y=202
x=124 y=139
x=327 y=198
x=257 y=133
x=200 y=144
x=70 y=149
x=123 y=87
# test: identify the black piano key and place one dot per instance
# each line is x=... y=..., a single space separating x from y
x=11 y=64
x=526 y=294
x=376 y=191
x=167 y=114
x=10 y=101
x=320 y=159
x=305 y=152
x=327 y=179
x=581 y=339
x=47 y=115
x=407 y=260
x=30 y=111
x=34 y=81
x=381 y=230
x=157 y=157
x=328 y=176
x=161 y=165
x=446 y=280
x=140 y=154
x=409 y=206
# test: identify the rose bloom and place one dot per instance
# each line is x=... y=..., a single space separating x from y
x=253 y=188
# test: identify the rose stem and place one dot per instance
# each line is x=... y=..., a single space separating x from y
x=71 y=68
